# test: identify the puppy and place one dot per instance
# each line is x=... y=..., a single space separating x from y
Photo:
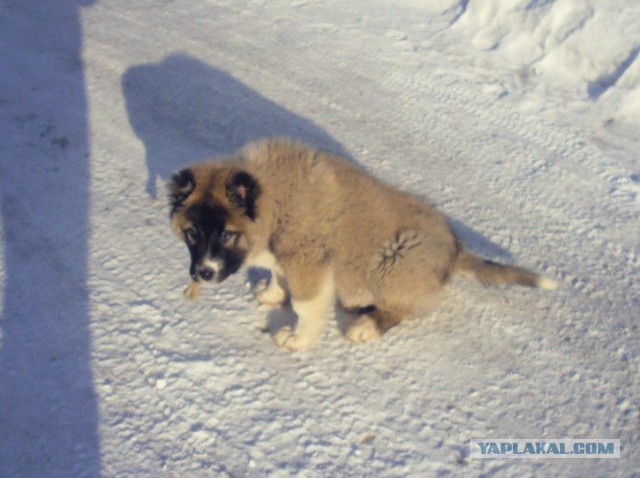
x=326 y=230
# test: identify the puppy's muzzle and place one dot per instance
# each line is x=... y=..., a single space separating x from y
x=207 y=271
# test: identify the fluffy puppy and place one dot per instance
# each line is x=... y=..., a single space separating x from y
x=325 y=229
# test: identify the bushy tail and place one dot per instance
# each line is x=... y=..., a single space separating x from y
x=492 y=273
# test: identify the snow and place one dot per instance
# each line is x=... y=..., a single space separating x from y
x=565 y=45
x=520 y=119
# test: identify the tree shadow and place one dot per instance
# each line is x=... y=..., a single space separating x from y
x=185 y=110
x=48 y=409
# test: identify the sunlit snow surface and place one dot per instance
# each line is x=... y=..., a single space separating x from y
x=519 y=119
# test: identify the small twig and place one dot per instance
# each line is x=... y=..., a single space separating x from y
x=192 y=291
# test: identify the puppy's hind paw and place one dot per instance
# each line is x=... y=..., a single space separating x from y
x=287 y=338
x=363 y=329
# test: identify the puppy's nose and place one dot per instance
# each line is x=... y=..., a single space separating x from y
x=206 y=273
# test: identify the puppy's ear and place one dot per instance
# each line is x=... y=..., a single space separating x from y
x=180 y=187
x=243 y=191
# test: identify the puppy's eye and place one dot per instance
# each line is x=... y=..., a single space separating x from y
x=191 y=235
x=227 y=236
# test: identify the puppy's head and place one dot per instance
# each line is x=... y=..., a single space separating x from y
x=212 y=210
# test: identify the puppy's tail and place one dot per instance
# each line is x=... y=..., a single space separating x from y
x=492 y=273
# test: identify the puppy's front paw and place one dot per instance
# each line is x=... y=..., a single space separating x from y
x=287 y=338
x=363 y=329
x=269 y=294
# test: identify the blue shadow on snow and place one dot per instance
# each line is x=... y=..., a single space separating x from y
x=48 y=409
x=185 y=111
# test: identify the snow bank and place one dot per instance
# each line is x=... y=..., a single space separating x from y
x=586 y=50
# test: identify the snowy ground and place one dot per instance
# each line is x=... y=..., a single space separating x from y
x=520 y=119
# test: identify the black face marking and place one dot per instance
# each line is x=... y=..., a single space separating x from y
x=208 y=239
x=232 y=260
x=180 y=187
x=207 y=219
x=243 y=192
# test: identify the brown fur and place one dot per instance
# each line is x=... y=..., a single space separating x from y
x=325 y=224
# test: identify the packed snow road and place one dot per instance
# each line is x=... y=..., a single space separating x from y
x=105 y=368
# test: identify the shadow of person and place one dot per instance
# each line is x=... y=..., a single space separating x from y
x=185 y=110
x=48 y=409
